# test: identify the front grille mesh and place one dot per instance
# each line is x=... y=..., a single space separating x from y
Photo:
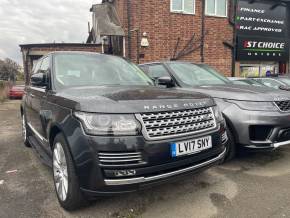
x=120 y=158
x=283 y=105
x=169 y=124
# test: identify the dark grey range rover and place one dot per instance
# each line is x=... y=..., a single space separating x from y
x=258 y=118
x=104 y=128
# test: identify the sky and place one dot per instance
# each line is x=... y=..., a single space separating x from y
x=42 y=21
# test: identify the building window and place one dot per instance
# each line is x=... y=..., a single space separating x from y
x=183 y=6
x=218 y=8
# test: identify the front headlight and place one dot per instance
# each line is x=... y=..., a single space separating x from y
x=217 y=113
x=254 y=105
x=108 y=124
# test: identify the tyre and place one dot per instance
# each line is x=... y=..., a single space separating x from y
x=65 y=179
x=24 y=131
x=231 y=147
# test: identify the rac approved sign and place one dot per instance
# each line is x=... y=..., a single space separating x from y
x=262 y=49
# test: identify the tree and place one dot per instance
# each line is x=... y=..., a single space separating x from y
x=9 y=69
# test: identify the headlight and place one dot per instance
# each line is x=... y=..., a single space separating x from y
x=217 y=113
x=108 y=124
x=255 y=105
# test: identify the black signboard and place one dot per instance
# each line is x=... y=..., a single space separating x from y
x=262 y=31
x=268 y=49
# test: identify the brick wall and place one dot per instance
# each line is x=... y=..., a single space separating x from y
x=164 y=28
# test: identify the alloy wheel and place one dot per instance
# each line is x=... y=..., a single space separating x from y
x=60 y=171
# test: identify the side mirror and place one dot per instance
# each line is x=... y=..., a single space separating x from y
x=39 y=79
x=285 y=88
x=166 y=81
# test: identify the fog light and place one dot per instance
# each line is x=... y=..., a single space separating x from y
x=124 y=173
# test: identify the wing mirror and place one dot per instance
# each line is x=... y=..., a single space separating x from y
x=165 y=81
x=39 y=79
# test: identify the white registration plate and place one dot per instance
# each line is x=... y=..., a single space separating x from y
x=191 y=146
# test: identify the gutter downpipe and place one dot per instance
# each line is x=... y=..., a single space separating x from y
x=202 y=32
x=235 y=2
x=129 y=27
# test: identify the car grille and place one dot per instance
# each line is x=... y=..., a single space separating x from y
x=120 y=158
x=162 y=125
x=283 y=105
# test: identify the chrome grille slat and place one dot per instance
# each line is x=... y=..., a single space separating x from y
x=119 y=154
x=120 y=158
x=283 y=106
x=161 y=125
x=121 y=161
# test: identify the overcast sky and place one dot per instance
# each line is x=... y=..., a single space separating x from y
x=41 y=21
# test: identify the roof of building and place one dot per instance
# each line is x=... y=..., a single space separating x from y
x=51 y=45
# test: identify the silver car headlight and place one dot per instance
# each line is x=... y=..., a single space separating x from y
x=109 y=124
x=217 y=113
x=255 y=105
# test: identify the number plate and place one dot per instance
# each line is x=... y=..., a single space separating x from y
x=191 y=146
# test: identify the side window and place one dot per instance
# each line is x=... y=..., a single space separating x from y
x=45 y=64
x=156 y=71
x=36 y=67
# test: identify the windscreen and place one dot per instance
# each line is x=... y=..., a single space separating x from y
x=285 y=80
x=96 y=70
x=195 y=75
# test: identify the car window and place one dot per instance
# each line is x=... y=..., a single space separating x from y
x=157 y=71
x=194 y=75
x=45 y=64
x=36 y=67
x=96 y=70
x=270 y=83
x=285 y=80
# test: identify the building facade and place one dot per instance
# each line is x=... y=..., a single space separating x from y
x=209 y=31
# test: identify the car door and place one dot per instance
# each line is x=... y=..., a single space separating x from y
x=30 y=96
x=37 y=95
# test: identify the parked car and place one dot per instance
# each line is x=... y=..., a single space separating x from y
x=257 y=117
x=105 y=129
x=244 y=81
x=282 y=83
x=16 y=92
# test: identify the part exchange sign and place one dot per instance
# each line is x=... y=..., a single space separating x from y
x=262 y=49
x=262 y=31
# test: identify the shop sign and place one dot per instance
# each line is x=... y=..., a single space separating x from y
x=260 y=18
x=253 y=48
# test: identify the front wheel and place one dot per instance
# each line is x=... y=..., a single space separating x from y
x=65 y=179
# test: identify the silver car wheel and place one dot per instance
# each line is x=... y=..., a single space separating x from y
x=24 y=133
x=60 y=172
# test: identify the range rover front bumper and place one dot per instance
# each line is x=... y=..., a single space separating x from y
x=259 y=130
x=154 y=163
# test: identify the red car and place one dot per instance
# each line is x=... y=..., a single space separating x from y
x=16 y=92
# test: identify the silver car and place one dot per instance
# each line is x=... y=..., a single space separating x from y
x=258 y=118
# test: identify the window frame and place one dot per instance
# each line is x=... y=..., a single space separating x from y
x=182 y=11
x=215 y=10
